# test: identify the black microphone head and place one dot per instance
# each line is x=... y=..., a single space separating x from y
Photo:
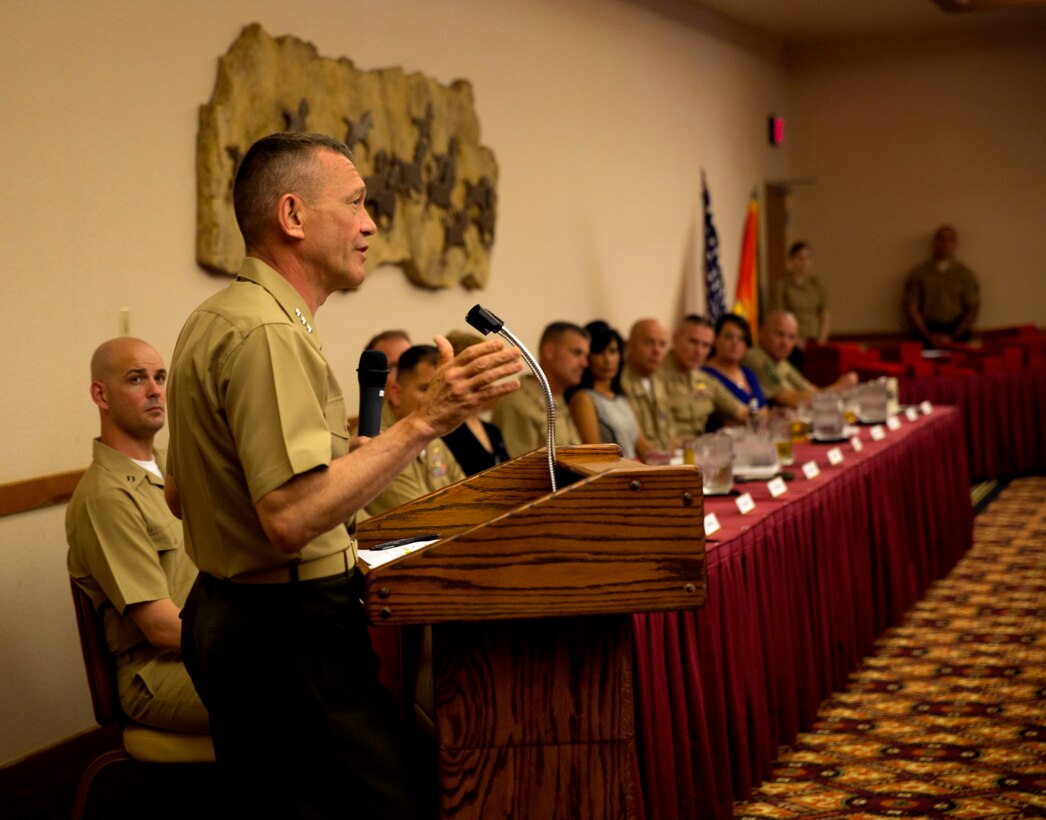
x=373 y=369
x=483 y=320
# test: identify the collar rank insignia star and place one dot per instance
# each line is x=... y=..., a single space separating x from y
x=305 y=324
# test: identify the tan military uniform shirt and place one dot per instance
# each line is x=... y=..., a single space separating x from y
x=125 y=548
x=806 y=301
x=434 y=468
x=651 y=407
x=775 y=376
x=388 y=415
x=943 y=297
x=253 y=404
x=693 y=396
x=521 y=417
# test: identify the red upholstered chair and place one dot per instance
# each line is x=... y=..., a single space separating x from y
x=142 y=743
x=873 y=370
x=907 y=353
x=824 y=363
x=1008 y=334
x=1013 y=357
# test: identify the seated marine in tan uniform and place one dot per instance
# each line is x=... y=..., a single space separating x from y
x=392 y=343
x=562 y=356
x=435 y=466
x=693 y=395
x=644 y=386
x=125 y=547
x=782 y=384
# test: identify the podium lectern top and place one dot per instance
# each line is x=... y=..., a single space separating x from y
x=617 y=537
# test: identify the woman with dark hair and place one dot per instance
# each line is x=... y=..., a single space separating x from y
x=733 y=337
x=598 y=405
x=477 y=444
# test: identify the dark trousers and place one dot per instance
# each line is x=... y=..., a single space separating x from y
x=301 y=725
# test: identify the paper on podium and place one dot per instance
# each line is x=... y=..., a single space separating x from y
x=376 y=558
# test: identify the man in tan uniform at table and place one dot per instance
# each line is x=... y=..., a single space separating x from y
x=125 y=547
x=435 y=466
x=644 y=385
x=693 y=395
x=562 y=356
x=782 y=384
x=392 y=343
x=275 y=635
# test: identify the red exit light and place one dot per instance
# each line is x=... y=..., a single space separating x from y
x=776 y=130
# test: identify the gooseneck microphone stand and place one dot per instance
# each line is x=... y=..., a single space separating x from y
x=486 y=322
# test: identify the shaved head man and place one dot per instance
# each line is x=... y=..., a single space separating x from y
x=781 y=382
x=125 y=547
x=129 y=387
x=643 y=385
x=646 y=346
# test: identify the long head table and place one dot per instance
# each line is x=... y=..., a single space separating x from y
x=1003 y=416
x=799 y=589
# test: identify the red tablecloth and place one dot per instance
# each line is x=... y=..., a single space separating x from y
x=1003 y=415
x=798 y=591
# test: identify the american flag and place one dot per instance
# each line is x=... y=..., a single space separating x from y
x=715 y=297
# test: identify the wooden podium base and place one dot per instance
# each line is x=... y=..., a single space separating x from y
x=529 y=594
x=534 y=718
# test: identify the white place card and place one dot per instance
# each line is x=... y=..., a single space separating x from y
x=911 y=414
x=711 y=524
x=745 y=503
x=878 y=433
x=857 y=444
x=926 y=408
x=811 y=470
x=777 y=487
x=835 y=456
x=893 y=424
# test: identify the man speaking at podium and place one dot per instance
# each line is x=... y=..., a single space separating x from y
x=261 y=471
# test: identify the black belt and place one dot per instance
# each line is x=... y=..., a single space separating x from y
x=326 y=567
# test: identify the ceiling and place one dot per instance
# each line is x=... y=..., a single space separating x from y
x=800 y=22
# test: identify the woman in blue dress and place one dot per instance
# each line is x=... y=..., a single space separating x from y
x=733 y=337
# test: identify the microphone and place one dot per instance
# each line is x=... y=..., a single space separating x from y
x=373 y=371
x=487 y=322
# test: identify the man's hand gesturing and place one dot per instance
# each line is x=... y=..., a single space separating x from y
x=463 y=384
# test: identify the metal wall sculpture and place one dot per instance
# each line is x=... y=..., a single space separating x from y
x=431 y=186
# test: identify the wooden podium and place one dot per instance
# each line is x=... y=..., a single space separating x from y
x=529 y=594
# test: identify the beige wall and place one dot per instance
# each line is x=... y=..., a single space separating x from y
x=902 y=136
x=601 y=114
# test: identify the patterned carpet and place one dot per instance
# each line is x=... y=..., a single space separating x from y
x=948 y=719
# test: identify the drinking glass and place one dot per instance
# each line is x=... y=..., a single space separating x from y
x=781 y=420
x=714 y=456
x=828 y=421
